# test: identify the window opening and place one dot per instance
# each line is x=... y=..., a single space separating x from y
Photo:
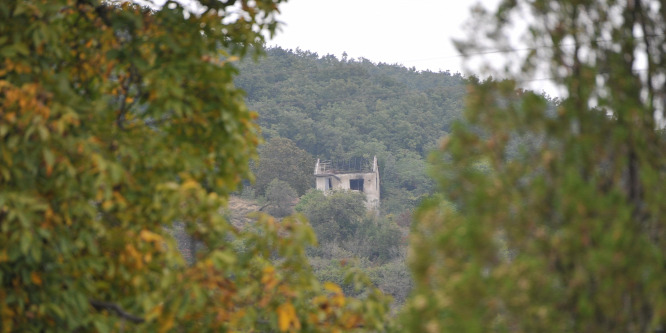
x=330 y=183
x=356 y=184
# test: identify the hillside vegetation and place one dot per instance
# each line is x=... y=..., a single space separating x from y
x=342 y=108
x=313 y=106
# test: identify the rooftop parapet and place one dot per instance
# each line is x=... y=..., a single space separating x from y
x=353 y=165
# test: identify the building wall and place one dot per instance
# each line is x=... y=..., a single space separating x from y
x=342 y=181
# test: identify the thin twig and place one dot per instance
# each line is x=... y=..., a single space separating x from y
x=99 y=305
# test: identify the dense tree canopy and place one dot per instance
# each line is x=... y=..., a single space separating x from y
x=280 y=158
x=335 y=217
x=280 y=197
x=567 y=236
x=115 y=122
x=339 y=109
x=348 y=232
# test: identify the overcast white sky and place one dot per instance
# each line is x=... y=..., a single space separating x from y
x=413 y=33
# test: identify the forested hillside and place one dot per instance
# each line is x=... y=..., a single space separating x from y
x=124 y=135
x=341 y=108
x=322 y=107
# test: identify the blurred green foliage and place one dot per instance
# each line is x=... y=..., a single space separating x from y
x=115 y=122
x=563 y=233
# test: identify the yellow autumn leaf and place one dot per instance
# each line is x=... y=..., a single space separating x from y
x=35 y=278
x=190 y=184
x=269 y=270
x=339 y=300
x=166 y=325
x=287 y=317
x=268 y=277
x=119 y=199
x=351 y=320
x=150 y=236
x=100 y=194
x=332 y=287
x=106 y=205
x=155 y=312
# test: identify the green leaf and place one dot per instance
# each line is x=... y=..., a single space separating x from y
x=49 y=157
x=25 y=241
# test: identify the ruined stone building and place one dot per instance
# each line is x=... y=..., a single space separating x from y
x=356 y=175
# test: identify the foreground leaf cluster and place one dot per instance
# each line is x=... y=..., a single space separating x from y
x=115 y=122
x=567 y=235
